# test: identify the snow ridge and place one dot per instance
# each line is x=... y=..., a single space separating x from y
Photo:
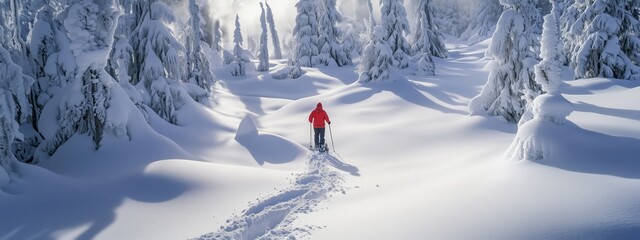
x=273 y=217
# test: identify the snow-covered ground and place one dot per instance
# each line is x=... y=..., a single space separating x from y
x=407 y=162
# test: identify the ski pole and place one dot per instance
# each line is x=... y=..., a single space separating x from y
x=331 y=134
x=310 y=147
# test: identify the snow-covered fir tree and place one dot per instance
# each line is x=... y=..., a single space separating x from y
x=548 y=73
x=511 y=83
x=483 y=20
x=157 y=68
x=394 y=23
x=263 y=52
x=217 y=37
x=427 y=37
x=14 y=108
x=328 y=40
x=548 y=110
x=377 y=60
x=277 y=52
x=603 y=40
x=199 y=76
x=352 y=43
x=451 y=17
x=240 y=60
x=305 y=34
x=86 y=105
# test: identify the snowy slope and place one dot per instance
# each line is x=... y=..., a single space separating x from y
x=409 y=163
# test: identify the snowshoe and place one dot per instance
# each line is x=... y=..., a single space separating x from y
x=323 y=148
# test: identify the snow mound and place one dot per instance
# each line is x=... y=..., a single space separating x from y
x=273 y=217
x=267 y=147
x=554 y=108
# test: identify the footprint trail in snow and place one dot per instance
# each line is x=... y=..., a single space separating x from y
x=273 y=217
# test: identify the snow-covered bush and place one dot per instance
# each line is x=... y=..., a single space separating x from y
x=292 y=72
x=425 y=66
x=511 y=81
x=305 y=34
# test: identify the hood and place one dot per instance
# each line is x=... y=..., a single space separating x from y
x=319 y=106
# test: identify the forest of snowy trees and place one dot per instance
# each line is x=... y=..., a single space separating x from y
x=92 y=67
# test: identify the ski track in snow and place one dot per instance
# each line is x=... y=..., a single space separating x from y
x=273 y=217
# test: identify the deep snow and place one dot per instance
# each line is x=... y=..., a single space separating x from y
x=409 y=163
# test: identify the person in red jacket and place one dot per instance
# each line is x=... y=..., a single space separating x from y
x=318 y=117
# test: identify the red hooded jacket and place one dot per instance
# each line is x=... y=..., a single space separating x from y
x=318 y=117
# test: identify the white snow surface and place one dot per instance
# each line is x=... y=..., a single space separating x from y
x=406 y=161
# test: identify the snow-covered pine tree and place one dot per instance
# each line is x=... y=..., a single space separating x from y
x=394 y=23
x=511 y=83
x=427 y=37
x=239 y=58
x=450 y=17
x=263 y=52
x=277 y=52
x=329 y=34
x=548 y=73
x=199 y=77
x=42 y=44
x=425 y=66
x=548 y=110
x=305 y=34
x=607 y=38
x=14 y=108
x=352 y=44
x=372 y=19
x=217 y=36
x=571 y=41
x=157 y=52
x=90 y=25
x=377 y=59
x=86 y=104
x=483 y=20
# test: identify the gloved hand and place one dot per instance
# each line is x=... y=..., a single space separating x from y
x=329 y=122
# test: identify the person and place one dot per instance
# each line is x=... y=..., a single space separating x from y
x=318 y=117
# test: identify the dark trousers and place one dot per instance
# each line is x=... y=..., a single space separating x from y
x=318 y=136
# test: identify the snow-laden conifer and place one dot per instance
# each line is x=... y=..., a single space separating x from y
x=217 y=37
x=483 y=20
x=395 y=25
x=305 y=34
x=548 y=111
x=511 y=81
x=240 y=60
x=377 y=60
x=157 y=51
x=277 y=52
x=14 y=109
x=606 y=41
x=86 y=105
x=199 y=76
x=263 y=52
x=427 y=32
x=328 y=41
